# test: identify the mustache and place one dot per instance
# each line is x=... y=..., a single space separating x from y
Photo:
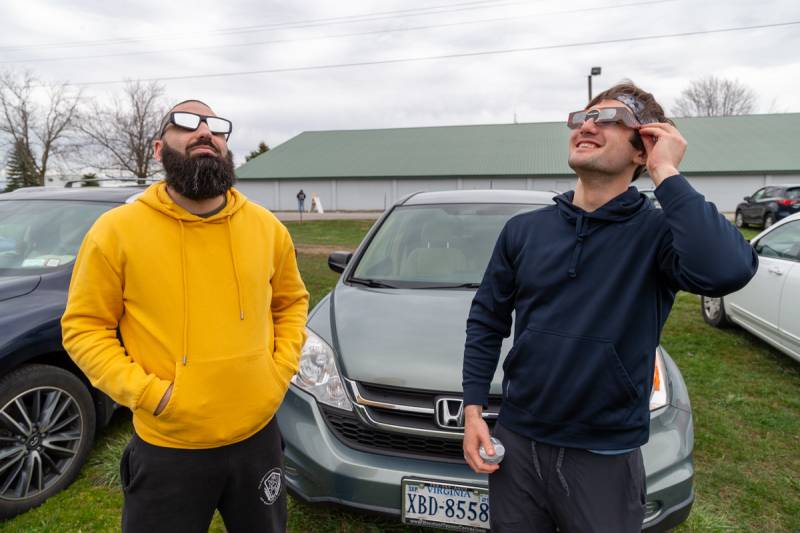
x=202 y=142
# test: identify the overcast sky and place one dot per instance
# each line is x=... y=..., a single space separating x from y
x=525 y=58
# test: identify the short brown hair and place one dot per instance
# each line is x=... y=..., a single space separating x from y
x=650 y=111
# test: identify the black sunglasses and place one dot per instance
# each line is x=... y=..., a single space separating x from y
x=191 y=121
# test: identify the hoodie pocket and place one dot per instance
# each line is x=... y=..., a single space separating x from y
x=218 y=400
x=565 y=378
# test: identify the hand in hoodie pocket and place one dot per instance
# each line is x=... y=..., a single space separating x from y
x=207 y=408
x=164 y=400
x=558 y=377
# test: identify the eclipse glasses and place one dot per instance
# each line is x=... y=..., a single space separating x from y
x=603 y=116
x=191 y=121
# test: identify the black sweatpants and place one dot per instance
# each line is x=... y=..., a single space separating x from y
x=177 y=490
x=541 y=488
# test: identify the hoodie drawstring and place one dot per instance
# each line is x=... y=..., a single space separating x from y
x=561 y=477
x=559 y=464
x=576 y=253
x=619 y=209
x=185 y=346
x=235 y=269
x=536 y=463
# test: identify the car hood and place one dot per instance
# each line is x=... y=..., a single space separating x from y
x=412 y=338
x=11 y=287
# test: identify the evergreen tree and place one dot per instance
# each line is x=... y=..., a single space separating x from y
x=21 y=170
x=90 y=180
x=262 y=149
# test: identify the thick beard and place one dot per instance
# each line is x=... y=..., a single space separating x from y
x=200 y=177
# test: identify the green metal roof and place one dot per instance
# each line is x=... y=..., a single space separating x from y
x=740 y=144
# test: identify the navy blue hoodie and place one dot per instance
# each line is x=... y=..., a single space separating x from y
x=591 y=292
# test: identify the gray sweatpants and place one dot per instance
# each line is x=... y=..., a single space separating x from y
x=543 y=488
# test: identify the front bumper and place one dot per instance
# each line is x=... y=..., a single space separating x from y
x=319 y=468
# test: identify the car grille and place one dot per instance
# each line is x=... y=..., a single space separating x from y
x=400 y=422
x=355 y=434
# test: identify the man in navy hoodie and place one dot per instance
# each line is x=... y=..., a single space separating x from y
x=591 y=281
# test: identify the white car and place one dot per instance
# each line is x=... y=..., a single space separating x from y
x=651 y=195
x=768 y=306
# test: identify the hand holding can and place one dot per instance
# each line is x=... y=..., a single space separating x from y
x=499 y=452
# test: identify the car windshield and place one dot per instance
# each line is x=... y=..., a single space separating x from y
x=426 y=246
x=42 y=235
x=793 y=194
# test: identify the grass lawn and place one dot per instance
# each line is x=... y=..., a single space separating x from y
x=342 y=233
x=745 y=399
x=746 y=406
x=749 y=233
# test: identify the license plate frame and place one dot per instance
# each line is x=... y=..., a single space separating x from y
x=429 y=490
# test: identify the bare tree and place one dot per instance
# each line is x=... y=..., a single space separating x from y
x=715 y=97
x=36 y=119
x=123 y=131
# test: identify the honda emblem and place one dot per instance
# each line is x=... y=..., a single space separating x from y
x=449 y=413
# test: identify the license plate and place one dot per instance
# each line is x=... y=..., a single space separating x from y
x=445 y=505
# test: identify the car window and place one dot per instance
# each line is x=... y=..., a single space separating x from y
x=783 y=242
x=42 y=235
x=759 y=194
x=793 y=193
x=446 y=244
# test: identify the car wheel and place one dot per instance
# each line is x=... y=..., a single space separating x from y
x=47 y=423
x=769 y=219
x=714 y=312
x=740 y=223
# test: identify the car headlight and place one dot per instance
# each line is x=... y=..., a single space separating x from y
x=659 y=395
x=318 y=374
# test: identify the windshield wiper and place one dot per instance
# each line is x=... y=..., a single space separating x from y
x=470 y=285
x=372 y=283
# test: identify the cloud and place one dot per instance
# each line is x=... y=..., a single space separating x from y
x=536 y=85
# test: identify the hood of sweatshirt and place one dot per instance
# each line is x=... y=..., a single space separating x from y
x=157 y=197
x=619 y=209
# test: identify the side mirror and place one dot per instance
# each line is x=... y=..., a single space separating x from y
x=338 y=260
x=746 y=198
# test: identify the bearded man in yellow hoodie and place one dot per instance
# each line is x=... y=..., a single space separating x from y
x=187 y=307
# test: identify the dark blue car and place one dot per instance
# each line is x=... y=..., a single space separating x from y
x=48 y=410
x=768 y=205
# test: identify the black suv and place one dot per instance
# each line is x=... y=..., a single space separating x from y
x=768 y=205
x=48 y=410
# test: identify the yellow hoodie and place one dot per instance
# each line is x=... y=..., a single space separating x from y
x=213 y=305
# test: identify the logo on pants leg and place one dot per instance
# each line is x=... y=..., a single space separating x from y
x=270 y=486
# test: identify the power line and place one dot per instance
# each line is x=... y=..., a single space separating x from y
x=345 y=19
x=414 y=12
x=438 y=57
x=336 y=36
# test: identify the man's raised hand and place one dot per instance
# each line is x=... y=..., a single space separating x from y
x=665 y=147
